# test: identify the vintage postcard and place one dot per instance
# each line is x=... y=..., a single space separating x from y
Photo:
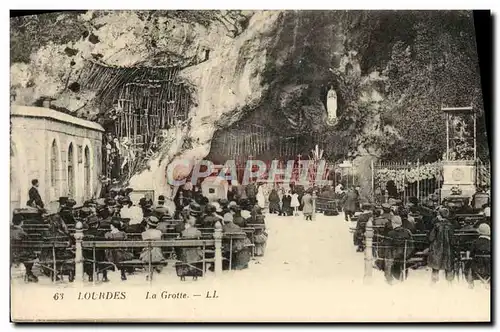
x=248 y=166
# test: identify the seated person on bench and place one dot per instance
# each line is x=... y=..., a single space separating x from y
x=155 y=254
x=211 y=217
x=94 y=233
x=237 y=218
x=131 y=211
x=190 y=264
x=240 y=247
x=21 y=255
x=118 y=255
x=399 y=248
x=160 y=210
x=480 y=253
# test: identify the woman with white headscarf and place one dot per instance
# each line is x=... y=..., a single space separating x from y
x=480 y=254
x=261 y=199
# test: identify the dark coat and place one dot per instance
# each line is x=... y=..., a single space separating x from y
x=441 y=240
x=361 y=227
x=35 y=198
x=480 y=252
x=18 y=235
x=145 y=204
x=93 y=234
x=251 y=190
x=396 y=244
x=239 y=220
x=180 y=227
x=117 y=255
x=286 y=200
x=351 y=202
x=274 y=201
x=209 y=221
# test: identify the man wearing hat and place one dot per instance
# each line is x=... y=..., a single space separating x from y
x=383 y=222
x=106 y=186
x=195 y=209
x=211 y=216
x=441 y=240
x=399 y=247
x=62 y=201
x=237 y=218
x=94 y=233
x=146 y=204
x=84 y=213
x=113 y=206
x=66 y=210
x=104 y=216
x=161 y=210
x=480 y=253
x=224 y=204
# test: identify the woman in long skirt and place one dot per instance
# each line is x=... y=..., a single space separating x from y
x=191 y=258
x=241 y=252
x=294 y=204
x=307 y=209
x=261 y=199
x=153 y=254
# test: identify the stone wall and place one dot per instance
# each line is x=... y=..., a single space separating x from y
x=32 y=139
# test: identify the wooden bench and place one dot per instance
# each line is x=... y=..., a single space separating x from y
x=235 y=236
x=249 y=230
x=205 y=244
x=463 y=241
x=327 y=204
x=37 y=246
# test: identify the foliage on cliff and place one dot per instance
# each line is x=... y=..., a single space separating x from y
x=410 y=64
x=437 y=67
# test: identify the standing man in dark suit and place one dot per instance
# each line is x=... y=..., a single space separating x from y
x=34 y=197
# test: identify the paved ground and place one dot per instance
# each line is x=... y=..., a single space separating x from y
x=310 y=272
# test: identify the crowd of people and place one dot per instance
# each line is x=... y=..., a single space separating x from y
x=188 y=216
x=395 y=224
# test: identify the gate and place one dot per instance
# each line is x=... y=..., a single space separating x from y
x=403 y=180
x=483 y=174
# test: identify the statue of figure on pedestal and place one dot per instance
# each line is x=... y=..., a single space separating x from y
x=331 y=104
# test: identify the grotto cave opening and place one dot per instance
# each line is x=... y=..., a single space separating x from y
x=260 y=137
x=137 y=108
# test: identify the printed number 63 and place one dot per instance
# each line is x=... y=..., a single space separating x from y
x=58 y=296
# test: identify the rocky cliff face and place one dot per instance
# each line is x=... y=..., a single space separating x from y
x=277 y=63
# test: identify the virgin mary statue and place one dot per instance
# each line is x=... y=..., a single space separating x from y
x=331 y=104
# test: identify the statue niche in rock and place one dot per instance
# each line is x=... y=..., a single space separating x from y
x=331 y=105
